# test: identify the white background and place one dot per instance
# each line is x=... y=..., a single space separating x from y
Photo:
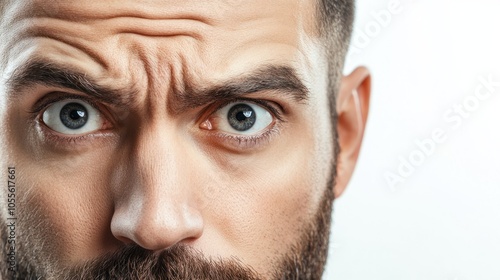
x=443 y=221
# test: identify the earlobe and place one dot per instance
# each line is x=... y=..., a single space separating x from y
x=352 y=107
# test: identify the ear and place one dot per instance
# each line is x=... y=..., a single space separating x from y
x=352 y=107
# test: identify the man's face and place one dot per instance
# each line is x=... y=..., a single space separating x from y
x=200 y=128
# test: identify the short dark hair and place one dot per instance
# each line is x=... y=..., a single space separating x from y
x=335 y=21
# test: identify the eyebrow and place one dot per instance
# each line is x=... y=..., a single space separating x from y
x=37 y=72
x=282 y=79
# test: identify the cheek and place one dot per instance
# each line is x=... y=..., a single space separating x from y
x=64 y=205
x=268 y=199
x=68 y=204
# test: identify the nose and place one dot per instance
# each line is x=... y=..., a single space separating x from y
x=155 y=206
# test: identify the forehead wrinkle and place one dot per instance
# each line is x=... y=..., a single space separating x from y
x=161 y=72
x=82 y=35
x=177 y=75
x=112 y=32
x=156 y=74
x=193 y=13
x=154 y=28
x=148 y=53
x=70 y=34
x=88 y=10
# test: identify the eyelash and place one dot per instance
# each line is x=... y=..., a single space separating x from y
x=234 y=140
x=48 y=100
x=264 y=103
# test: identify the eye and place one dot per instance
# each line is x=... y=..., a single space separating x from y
x=72 y=116
x=244 y=118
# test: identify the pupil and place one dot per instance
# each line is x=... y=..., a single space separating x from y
x=74 y=115
x=241 y=117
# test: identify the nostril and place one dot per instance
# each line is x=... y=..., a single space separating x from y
x=125 y=240
x=155 y=222
x=189 y=241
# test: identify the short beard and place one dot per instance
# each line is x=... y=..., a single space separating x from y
x=305 y=260
x=178 y=262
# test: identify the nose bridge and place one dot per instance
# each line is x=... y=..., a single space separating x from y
x=155 y=208
x=156 y=160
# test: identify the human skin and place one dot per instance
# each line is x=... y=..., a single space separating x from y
x=163 y=168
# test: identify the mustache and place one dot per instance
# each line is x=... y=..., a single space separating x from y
x=178 y=262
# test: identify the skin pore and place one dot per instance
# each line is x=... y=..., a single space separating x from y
x=159 y=180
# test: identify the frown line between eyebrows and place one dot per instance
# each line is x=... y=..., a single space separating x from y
x=281 y=79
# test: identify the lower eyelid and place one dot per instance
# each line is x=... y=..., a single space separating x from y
x=52 y=137
x=247 y=142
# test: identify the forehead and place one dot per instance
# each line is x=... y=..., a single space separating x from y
x=215 y=38
x=232 y=10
